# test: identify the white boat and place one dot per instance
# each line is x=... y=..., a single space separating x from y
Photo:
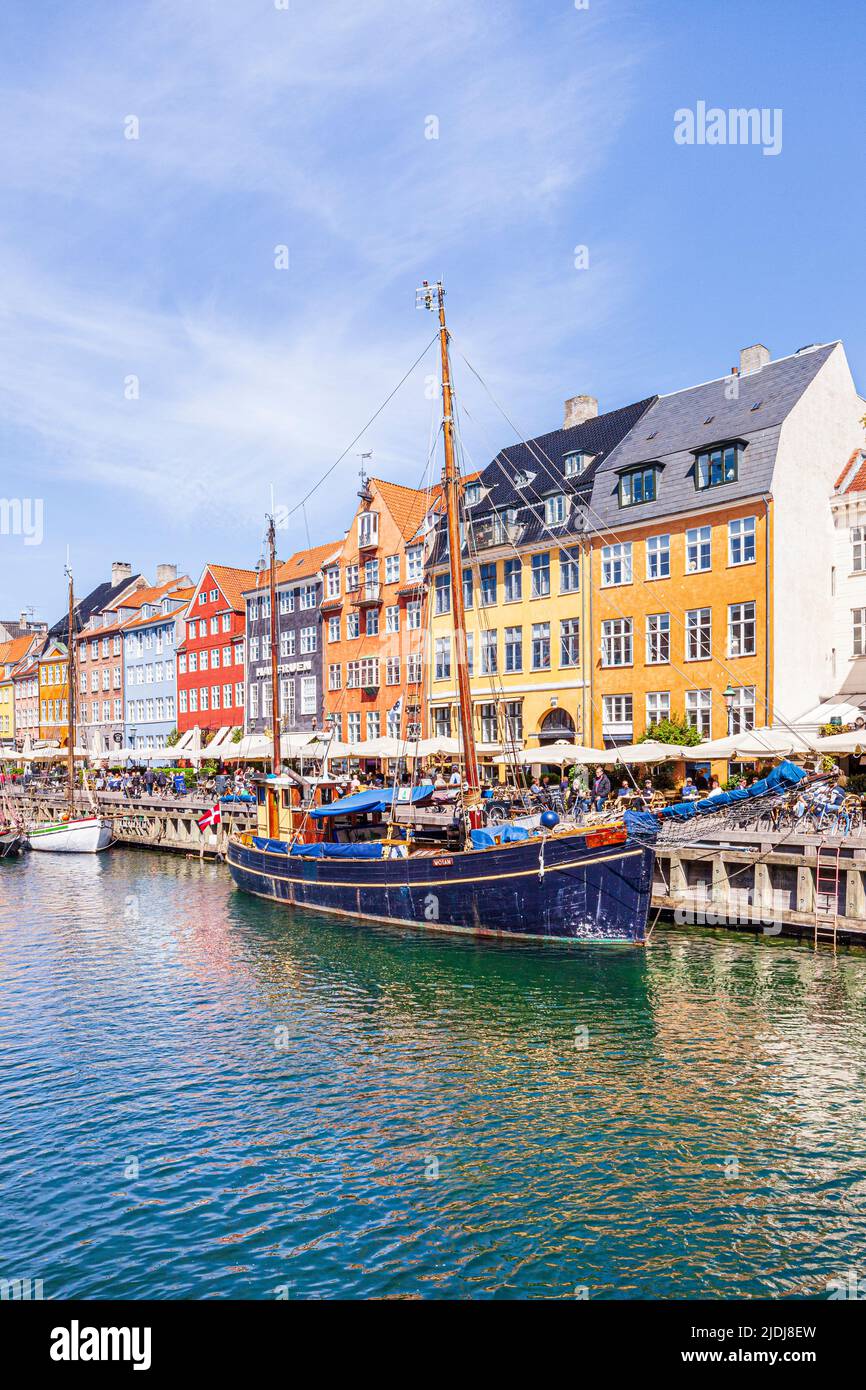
x=83 y=835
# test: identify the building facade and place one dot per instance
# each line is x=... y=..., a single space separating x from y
x=150 y=642
x=299 y=635
x=13 y=651
x=53 y=666
x=372 y=616
x=211 y=686
x=844 y=698
x=525 y=553
x=25 y=679
x=667 y=567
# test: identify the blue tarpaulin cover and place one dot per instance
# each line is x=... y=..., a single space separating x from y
x=325 y=850
x=371 y=800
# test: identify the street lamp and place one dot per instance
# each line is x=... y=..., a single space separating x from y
x=728 y=695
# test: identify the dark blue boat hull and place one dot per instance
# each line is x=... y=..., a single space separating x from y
x=567 y=891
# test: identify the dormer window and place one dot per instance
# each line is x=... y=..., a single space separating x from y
x=554 y=510
x=716 y=466
x=472 y=494
x=638 y=485
x=576 y=463
x=523 y=478
x=368 y=529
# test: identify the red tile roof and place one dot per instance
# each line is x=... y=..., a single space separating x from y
x=856 y=480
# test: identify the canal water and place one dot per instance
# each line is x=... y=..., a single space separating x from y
x=202 y=1096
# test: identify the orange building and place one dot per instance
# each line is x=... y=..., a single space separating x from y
x=372 y=616
x=54 y=692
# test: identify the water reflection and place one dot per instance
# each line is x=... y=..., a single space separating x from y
x=208 y=1096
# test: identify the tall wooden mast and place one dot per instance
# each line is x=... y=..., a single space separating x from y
x=275 y=684
x=70 y=700
x=434 y=297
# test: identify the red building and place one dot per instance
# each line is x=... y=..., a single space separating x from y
x=210 y=658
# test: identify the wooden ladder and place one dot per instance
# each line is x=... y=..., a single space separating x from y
x=827 y=876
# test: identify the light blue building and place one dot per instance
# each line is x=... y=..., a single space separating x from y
x=150 y=666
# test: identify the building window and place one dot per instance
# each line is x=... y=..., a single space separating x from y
x=616 y=564
x=858 y=548
x=353 y=625
x=371 y=626
x=392 y=569
x=616 y=642
x=392 y=670
x=541 y=575
x=741 y=629
x=859 y=617
x=413 y=614
x=353 y=675
x=699 y=711
x=332 y=582
x=353 y=727
x=471 y=493
x=576 y=463
x=308 y=695
x=442 y=721
x=353 y=578
x=467 y=588
x=554 y=510
x=658 y=706
x=368 y=529
x=513 y=580
x=489 y=723
x=309 y=640
x=392 y=618
x=413 y=669
x=569 y=642
x=442 y=658
x=415 y=563
x=716 y=466
x=334 y=629
x=658 y=639
x=514 y=720
x=617 y=715
x=374 y=723
x=698 y=549
x=658 y=557
x=636 y=486
x=541 y=646
x=514 y=649
x=335 y=676
x=699 y=634
x=569 y=570
x=489 y=653
x=487 y=586
x=442 y=590
x=308 y=597
x=741 y=541
x=742 y=715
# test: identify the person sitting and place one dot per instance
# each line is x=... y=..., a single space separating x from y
x=689 y=790
x=715 y=789
x=455 y=779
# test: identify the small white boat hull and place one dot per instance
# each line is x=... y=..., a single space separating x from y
x=86 y=835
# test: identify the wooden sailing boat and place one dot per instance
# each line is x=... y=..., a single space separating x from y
x=551 y=881
x=72 y=833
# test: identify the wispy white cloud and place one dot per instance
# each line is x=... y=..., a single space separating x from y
x=153 y=257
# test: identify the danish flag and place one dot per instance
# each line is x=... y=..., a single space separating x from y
x=211 y=817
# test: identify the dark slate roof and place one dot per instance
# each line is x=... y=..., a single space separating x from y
x=677 y=425
x=99 y=598
x=544 y=457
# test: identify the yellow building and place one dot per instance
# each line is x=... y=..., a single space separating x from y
x=54 y=693
x=7 y=710
x=12 y=654
x=661 y=560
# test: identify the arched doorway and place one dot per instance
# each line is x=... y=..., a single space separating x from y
x=558 y=724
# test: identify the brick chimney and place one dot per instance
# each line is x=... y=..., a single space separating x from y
x=120 y=570
x=578 y=409
x=165 y=573
x=752 y=359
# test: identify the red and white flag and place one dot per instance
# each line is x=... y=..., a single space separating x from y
x=211 y=817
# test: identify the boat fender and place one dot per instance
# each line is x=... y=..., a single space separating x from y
x=549 y=819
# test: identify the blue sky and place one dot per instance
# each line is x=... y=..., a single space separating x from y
x=258 y=127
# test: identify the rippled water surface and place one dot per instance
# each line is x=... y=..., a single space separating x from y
x=203 y=1096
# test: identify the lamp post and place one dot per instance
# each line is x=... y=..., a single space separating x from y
x=728 y=696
